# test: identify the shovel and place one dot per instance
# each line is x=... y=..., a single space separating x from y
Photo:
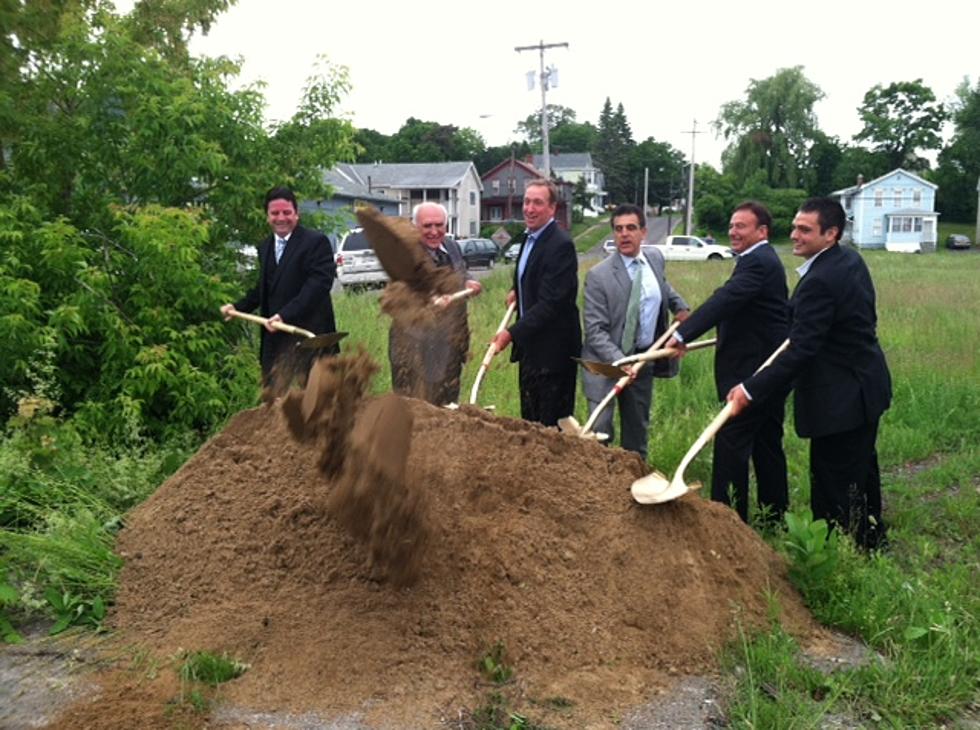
x=312 y=341
x=570 y=425
x=444 y=300
x=652 y=354
x=616 y=371
x=491 y=351
x=655 y=489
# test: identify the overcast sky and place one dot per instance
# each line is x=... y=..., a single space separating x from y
x=668 y=63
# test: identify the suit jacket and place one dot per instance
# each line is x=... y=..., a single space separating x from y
x=607 y=293
x=297 y=289
x=751 y=313
x=548 y=334
x=834 y=362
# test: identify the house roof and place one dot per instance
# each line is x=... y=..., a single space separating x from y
x=409 y=174
x=529 y=169
x=347 y=186
x=855 y=188
x=566 y=160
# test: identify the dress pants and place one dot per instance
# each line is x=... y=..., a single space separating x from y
x=547 y=395
x=634 y=405
x=756 y=434
x=845 y=483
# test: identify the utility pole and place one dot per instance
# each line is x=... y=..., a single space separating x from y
x=646 y=190
x=544 y=78
x=690 y=181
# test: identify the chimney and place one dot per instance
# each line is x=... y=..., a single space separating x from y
x=860 y=180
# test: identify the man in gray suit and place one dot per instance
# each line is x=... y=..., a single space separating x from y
x=427 y=357
x=627 y=297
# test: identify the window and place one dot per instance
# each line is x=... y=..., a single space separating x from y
x=472 y=227
x=876 y=227
x=496 y=187
x=879 y=198
x=899 y=193
x=917 y=197
x=905 y=224
x=472 y=197
x=496 y=213
x=512 y=185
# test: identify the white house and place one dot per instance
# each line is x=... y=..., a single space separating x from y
x=575 y=166
x=896 y=212
x=454 y=184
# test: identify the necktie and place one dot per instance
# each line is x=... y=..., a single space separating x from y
x=442 y=258
x=521 y=266
x=280 y=247
x=633 y=308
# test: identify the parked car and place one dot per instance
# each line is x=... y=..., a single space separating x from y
x=692 y=248
x=479 y=252
x=609 y=246
x=958 y=241
x=512 y=252
x=357 y=265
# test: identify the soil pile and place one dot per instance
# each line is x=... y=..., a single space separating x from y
x=531 y=541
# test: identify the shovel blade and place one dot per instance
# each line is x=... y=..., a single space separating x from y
x=655 y=488
x=601 y=368
x=321 y=341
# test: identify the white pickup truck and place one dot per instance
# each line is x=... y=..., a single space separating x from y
x=692 y=248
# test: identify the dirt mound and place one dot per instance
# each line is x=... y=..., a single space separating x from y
x=534 y=543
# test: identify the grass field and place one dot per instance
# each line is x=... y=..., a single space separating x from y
x=917 y=606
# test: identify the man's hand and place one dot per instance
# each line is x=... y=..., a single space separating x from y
x=268 y=325
x=474 y=286
x=501 y=340
x=511 y=297
x=676 y=344
x=227 y=310
x=630 y=371
x=681 y=315
x=739 y=399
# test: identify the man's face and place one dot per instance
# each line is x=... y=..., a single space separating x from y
x=807 y=239
x=538 y=208
x=629 y=234
x=744 y=230
x=282 y=217
x=432 y=225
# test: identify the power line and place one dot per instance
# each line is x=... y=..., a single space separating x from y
x=544 y=77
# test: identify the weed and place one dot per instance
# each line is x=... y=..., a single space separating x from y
x=493 y=665
x=210 y=669
x=8 y=597
x=812 y=547
x=74 y=610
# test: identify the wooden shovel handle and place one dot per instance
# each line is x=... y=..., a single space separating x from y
x=281 y=326
x=719 y=420
x=444 y=300
x=491 y=351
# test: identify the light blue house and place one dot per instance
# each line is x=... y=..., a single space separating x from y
x=896 y=212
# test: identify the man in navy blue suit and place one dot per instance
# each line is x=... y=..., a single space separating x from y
x=751 y=314
x=547 y=333
x=296 y=271
x=838 y=372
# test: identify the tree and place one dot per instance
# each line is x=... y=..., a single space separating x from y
x=959 y=163
x=773 y=129
x=612 y=153
x=418 y=141
x=858 y=161
x=900 y=119
x=530 y=127
x=129 y=170
x=665 y=165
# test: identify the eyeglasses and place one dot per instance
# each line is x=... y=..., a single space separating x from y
x=627 y=227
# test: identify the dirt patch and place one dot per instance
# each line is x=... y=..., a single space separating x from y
x=530 y=540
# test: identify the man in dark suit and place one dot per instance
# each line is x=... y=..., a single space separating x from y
x=547 y=333
x=838 y=373
x=617 y=323
x=427 y=356
x=751 y=313
x=296 y=271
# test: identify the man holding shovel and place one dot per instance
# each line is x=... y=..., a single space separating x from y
x=752 y=316
x=841 y=384
x=627 y=299
x=547 y=333
x=296 y=271
x=427 y=354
